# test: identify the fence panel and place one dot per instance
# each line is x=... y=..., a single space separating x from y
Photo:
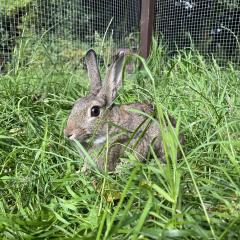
x=211 y=26
x=68 y=24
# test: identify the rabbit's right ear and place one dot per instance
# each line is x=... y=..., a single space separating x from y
x=93 y=72
x=113 y=80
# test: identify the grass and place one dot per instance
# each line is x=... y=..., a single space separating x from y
x=43 y=196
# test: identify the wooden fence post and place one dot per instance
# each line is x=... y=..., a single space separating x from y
x=146 y=26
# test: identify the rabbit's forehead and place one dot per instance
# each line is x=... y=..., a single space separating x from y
x=89 y=101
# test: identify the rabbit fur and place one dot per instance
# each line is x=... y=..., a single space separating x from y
x=95 y=119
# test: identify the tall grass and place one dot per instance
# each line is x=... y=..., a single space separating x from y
x=43 y=195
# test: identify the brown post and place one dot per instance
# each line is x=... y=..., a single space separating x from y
x=146 y=26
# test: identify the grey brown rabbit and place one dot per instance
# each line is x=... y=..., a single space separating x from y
x=95 y=119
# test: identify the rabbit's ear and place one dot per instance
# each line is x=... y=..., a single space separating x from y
x=93 y=72
x=114 y=79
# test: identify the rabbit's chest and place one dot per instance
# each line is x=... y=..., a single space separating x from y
x=99 y=140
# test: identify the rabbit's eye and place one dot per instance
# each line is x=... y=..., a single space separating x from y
x=95 y=111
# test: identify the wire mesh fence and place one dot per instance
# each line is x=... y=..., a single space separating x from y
x=68 y=26
x=210 y=26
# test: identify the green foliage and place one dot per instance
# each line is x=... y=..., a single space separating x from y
x=80 y=19
x=13 y=5
x=70 y=23
x=231 y=4
x=44 y=196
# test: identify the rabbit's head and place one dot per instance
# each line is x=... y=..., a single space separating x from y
x=89 y=113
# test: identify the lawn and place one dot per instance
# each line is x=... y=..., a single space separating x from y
x=44 y=196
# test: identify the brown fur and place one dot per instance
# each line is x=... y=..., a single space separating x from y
x=117 y=122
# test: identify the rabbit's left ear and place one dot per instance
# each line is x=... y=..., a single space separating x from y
x=113 y=80
x=93 y=71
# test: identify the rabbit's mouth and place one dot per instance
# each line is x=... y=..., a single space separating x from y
x=81 y=138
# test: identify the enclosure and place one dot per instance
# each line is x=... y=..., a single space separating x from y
x=183 y=57
x=69 y=27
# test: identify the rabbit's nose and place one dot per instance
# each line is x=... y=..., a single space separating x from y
x=67 y=134
x=70 y=135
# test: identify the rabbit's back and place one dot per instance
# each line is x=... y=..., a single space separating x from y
x=135 y=117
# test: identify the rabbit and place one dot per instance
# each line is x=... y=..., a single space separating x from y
x=95 y=119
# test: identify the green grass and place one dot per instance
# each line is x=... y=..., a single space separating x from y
x=43 y=196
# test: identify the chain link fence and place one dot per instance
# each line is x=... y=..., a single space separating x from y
x=210 y=26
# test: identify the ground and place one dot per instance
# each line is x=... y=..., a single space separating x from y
x=43 y=196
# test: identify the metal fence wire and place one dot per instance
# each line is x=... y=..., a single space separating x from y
x=210 y=26
x=68 y=24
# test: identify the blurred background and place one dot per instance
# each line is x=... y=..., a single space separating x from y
x=68 y=27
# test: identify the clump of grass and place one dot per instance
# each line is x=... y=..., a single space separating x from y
x=43 y=196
